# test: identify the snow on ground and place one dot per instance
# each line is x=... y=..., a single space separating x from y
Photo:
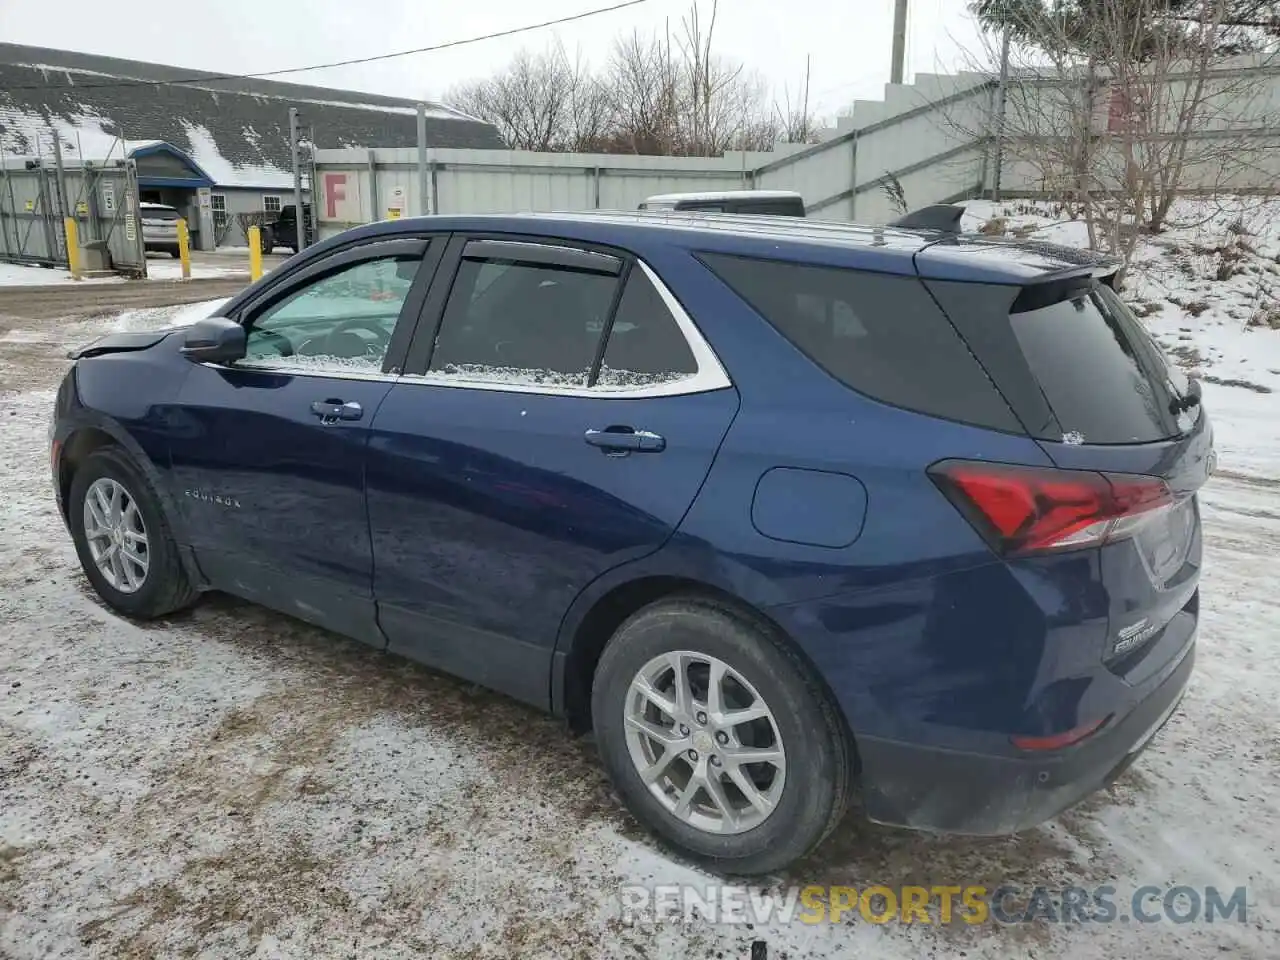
x=1208 y=287
x=22 y=275
x=231 y=782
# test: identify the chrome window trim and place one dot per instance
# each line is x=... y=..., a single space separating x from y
x=710 y=376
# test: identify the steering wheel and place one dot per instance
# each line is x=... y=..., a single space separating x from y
x=276 y=341
x=380 y=335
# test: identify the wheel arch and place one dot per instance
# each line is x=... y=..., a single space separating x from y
x=94 y=434
x=574 y=665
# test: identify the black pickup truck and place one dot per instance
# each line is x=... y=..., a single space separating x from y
x=283 y=231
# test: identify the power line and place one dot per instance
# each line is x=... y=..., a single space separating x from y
x=212 y=77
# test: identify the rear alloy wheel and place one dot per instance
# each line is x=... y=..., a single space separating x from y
x=122 y=537
x=705 y=742
x=717 y=737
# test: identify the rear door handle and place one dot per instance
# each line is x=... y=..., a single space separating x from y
x=619 y=441
x=331 y=411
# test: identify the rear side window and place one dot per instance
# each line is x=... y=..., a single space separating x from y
x=645 y=344
x=529 y=322
x=882 y=335
x=1076 y=364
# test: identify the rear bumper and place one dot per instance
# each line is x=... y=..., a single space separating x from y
x=949 y=791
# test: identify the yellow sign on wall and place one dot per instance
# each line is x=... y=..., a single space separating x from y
x=82 y=208
x=31 y=205
x=393 y=213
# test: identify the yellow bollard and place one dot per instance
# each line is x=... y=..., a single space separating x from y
x=255 y=254
x=184 y=249
x=73 y=245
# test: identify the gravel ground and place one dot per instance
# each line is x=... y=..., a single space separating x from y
x=233 y=783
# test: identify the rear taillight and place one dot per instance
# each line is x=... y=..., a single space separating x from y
x=1028 y=509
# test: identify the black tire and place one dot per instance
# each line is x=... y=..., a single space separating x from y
x=165 y=588
x=176 y=253
x=818 y=769
x=266 y=240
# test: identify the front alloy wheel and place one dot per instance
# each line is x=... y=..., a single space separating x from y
x=116 y=535
x=122 y=536
x=705 y=742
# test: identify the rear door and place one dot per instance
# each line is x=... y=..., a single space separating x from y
x=558 y=415
x=1091 y=386
x=159 y=225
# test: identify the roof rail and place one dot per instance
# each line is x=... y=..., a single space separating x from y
x=942 y=217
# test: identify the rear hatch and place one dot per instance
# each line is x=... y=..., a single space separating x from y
x=159 y=223
x=1127 y=432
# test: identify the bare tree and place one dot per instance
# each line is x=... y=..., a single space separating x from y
x=796 y=122
x=667 y=94
x=1119 y=111
x=640 y=82
x=540 y=101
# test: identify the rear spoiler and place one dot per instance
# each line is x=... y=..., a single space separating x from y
x=942 y=217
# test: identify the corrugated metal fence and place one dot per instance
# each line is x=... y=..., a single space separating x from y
x=932 y=138
x=841 y=178
x=35 y=197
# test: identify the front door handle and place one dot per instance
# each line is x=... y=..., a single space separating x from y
x=619 y=441
x=331 y=411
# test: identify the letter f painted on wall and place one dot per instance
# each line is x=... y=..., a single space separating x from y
x=335 y=189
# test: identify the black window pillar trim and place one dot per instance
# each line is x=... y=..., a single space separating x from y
x=607 y=328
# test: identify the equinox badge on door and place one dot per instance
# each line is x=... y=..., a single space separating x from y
x=205 y=497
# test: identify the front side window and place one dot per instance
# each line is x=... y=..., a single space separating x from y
x=340 y=323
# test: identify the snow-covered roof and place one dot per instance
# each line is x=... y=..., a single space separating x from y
x=236 y=130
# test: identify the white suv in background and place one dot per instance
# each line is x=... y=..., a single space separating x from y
x=159 y=228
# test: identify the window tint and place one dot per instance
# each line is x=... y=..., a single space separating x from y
x=1098 y=370
x=645 y=344
x=882 y=335
x=341 y=322
x=773 y=208
x=1072 y=360
x=515 y=322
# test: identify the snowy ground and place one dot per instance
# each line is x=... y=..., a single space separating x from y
x=232 y=783
x=203 y=265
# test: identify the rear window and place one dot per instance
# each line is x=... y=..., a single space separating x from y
x=1076 y=364
x=159 y=213
x=773 y=208
x=882 y=335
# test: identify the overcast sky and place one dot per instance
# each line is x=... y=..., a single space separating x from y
x=848 y=41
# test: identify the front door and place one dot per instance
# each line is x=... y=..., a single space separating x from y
x=269 y=452
x=563 y=423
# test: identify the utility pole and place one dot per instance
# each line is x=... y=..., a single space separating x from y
x=899 y=41
x=424 y=178
x=1001 y=100
x=300 y=221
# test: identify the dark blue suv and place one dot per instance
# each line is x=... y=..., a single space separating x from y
x=780 y=509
